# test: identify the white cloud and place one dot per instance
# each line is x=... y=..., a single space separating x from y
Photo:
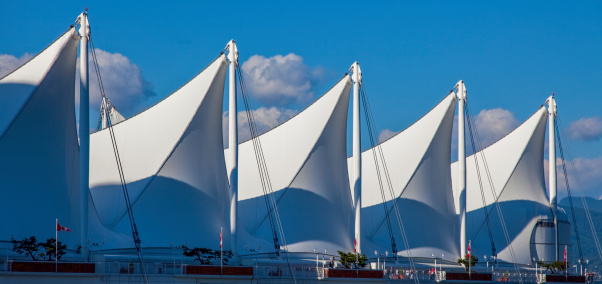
x=8 y=63
x=265 y=119
x=491 y=125
x=385 y=134
x=589 y=173
x=123 y=82
x=281 y=80
x=586 y=129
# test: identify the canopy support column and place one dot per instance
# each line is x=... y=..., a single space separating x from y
x=357 y=154
x=552 y=167
x=233 y=145
x=84 y=130
x=461 y=93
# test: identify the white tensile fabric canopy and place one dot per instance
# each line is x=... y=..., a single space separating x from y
x=516 y=166
x=418 y=161
x=173 y=163
x=305 y=158
x=38 y=145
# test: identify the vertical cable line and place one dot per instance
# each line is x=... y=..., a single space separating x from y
x=470 y=120
x=476 y=160
x=568 y=189
x=266 y=184
x=579 y=187
x=124 y=189
x=372 y=131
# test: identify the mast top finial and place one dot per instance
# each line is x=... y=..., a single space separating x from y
x=357 y=72
x=232 y=51
x=551 y=105
x=460 y=90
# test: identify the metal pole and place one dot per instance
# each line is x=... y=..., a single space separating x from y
x=357 y=158
x=84 y=129
x=233 y=146
x=461 y=94
x=552 y=167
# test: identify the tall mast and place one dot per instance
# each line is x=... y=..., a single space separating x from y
x=552 y=166
x=461 y=94
x=84 y=129
x=357 y=154
x=233 y=144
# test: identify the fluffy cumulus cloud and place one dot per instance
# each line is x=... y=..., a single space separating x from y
x=281 y=80
x=385 y=134
x=491 y=125
x=123 y=83
x=8 y=63
x=586 y=129
x=587 y=171
x=265 y=119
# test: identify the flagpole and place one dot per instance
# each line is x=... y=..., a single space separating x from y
x=56 y=244
x=469 y=257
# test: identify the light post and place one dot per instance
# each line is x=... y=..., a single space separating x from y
x=441 y=263
x=486 y=260
x=377 y=259
x=580 y=266
x=325 y=251
x=433 y=255
x=536 y=280
x=385 y=260
x=316 y=259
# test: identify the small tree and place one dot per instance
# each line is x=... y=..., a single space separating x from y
x=347 y=259
x=28 y=246
x=49 y=248
x=205 y=255
x=464 y=261
x=554 y=267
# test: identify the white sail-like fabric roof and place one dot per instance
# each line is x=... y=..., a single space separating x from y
x=418 y=161
x=39 y=158
x=306 y=162
x=173 y=163
x=516 y=166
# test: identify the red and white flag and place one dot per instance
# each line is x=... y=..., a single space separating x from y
x=468 y=254
x=564 y=253
x=61 y=228
x=220 y=237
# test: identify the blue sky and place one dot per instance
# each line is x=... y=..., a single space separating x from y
x=512 y=55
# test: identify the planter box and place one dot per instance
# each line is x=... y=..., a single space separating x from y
x=215 y=270
x=64 y=267
x=352 y=273
x=466 y=277
x=567 y=279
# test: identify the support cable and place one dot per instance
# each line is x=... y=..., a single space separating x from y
x=476 y=160
x=271 y=204
x=126 y=195
x=372 y=133
x=580 y=188
x=370 y=121
x=494 y=193
x=568 y=189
